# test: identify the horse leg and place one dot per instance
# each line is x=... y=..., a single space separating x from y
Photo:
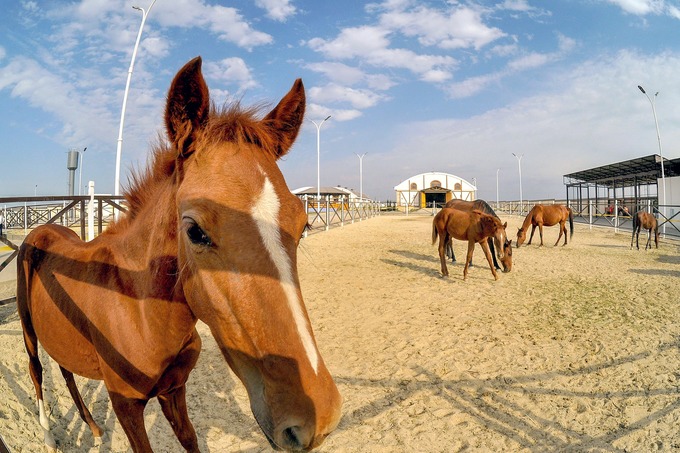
x=632 y=238
x=649 y=240
x=540 y=232
x=493 y=252
x=468 y=258
x=442 y=258
x=449 y=249
x=35 y=370
x=487 y=252
x=82 y=409
x=174 y=407
x=533 y=230
x=130 y=414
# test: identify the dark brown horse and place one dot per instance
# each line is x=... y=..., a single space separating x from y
x=548 y=215
x=503 y=249
x=211 y=234
x=474 y=227
x=646 y=221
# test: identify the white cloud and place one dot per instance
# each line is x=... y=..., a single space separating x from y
x=348 y=75
x=82 y=114
x=523 y=62
x=640 y=7
x=279 y=10
x=333 y=93
x=319 y=112
x=456 y=28
x=593 y=115
x=338 y=72
x=353 y=42
x=232 y=71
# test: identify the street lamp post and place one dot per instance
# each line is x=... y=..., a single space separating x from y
x=119 y=148
x=658 y=138
x=318 y=156
x=80 y=178
x=519 y=164
x=361 y=175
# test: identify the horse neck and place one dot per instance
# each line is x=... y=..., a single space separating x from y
x=527 y=220
x=147 y=238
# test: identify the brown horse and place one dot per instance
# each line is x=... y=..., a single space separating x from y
x=548 y=215
x=503 y=249
x=211 y=234
x=646 y=221
x=474 y=227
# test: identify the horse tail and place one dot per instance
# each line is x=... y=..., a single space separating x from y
x=435 y=233
x=571 y=222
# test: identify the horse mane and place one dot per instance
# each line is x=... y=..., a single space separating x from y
x=230 y=123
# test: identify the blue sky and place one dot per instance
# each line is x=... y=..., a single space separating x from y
x=452 y=86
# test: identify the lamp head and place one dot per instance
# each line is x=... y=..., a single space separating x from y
x=642 y=89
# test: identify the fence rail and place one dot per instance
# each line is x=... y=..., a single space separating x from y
x=327 y=212
x=601 y=213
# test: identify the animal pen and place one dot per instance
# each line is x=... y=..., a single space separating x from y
x=610 y=195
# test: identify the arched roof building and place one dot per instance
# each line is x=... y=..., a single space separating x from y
x=420 y=191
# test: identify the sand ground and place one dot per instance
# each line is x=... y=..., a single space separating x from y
x=577 y=349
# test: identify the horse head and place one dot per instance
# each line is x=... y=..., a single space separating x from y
x=238 y=229
x=521 y=236
x=499 y=240
x=493 y=228
x=506 y=261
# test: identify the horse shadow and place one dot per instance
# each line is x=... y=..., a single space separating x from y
x=659 y=272
x=669 y=259
x=411 y=255
x=489 y=402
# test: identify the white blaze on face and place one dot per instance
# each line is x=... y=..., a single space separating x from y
x=266 y=213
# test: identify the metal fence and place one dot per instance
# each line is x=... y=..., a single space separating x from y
x=330 y=211
x=613 y=215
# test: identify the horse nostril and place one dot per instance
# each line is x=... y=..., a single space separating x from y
x=294 y=439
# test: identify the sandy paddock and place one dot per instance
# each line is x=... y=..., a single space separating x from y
x=577 y=349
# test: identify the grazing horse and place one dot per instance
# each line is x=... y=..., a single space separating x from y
x=548 y=215
x=646 y=221
x=474 y=227
x=504 y=248
x=211 y=234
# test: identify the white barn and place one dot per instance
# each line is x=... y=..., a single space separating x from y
x=420 y=191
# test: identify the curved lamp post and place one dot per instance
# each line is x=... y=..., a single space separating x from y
x=318 y=156
x=119 y=148
x=80 y=178
x=658 y=138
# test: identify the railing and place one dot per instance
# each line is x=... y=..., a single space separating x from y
x=327 y=212
x=86 y=215
x=604 y=214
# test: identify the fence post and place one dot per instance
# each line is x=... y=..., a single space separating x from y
x=90 y=211
x=616 y=216
x=590 y=214
x=342 y=210
x=327 y=206
x=304 y=233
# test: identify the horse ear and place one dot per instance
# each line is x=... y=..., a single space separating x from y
x=505 y=225
x=286 y=118
x=187 y=108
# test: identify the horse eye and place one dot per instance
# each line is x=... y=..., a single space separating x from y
x=197 y=236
